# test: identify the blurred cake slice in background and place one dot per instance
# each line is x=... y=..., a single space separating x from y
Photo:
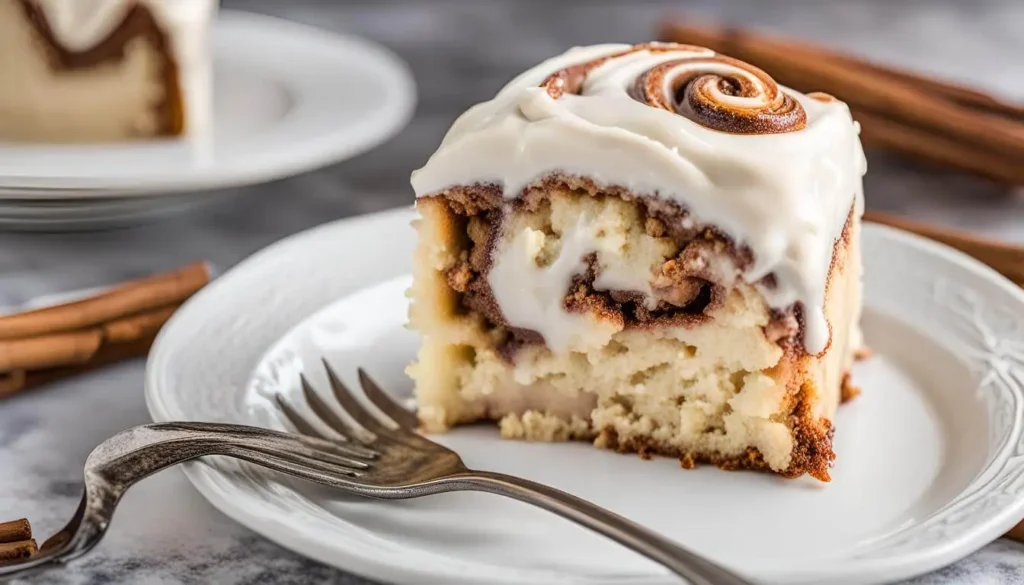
x=652 y=247
x=81 y=71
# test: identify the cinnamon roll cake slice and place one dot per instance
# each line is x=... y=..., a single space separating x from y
x=652 y=247
x=102 y=71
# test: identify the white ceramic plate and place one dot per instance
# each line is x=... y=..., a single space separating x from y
x=288 y=98
x=930 y=458
x=77 y=214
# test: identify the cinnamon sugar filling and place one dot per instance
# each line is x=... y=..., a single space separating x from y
x=686 y=288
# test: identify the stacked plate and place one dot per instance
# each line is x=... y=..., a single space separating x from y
x=288 y=99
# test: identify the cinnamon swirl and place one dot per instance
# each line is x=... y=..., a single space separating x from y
x=654 y=247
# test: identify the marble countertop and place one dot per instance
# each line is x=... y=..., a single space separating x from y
x=460 y=51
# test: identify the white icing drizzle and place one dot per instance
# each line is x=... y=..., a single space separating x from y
x=786 y=196
x=80 y=25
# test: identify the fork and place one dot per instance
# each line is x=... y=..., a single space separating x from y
x=378 y=455
x=408 y=465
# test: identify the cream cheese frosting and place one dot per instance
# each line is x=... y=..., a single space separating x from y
x=80 y=25
x=781 y=185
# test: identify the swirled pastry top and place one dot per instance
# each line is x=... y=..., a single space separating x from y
x=775 y=170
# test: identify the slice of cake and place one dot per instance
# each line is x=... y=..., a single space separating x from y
x=104 y=70
x=655 y=248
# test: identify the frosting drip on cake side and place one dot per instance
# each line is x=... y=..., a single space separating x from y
x=776 y=171
x=80 y=25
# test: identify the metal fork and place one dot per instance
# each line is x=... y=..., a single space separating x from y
x=378 y=455
x=132 y=455
x=408 y=465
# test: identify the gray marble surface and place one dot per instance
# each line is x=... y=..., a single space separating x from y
x=461 y=51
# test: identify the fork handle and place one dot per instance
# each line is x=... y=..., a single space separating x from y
x=134 y=454
x=697 y=570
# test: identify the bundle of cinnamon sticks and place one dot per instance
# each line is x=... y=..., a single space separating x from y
x=943 y=123
x=44 y=345
x=16 y=540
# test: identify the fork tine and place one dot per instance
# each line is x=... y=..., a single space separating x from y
x=386 y=404
x=342 y=448
x=297 y=442
x=324 y=450
x=295 y=464
x=297 y=421
x=325 y=413
x=323 y=458
x=351 y=405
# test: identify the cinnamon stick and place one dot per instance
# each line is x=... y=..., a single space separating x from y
x=948 y=90
x=1016 y=533
x=137 y=326
x=1007 y=259
x=893 y=135
x=134 y=297
x=49 y=350
x=78 y=347
x=12 y=551
x=16 y=540
x=116 y=328
x=15 y=530
x=11 y=382
x=108 y=354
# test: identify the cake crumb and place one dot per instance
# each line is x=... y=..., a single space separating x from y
x=459 y=276
x=687 y=461
x=655 y=227
x=847 y=390
x=538 y=426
